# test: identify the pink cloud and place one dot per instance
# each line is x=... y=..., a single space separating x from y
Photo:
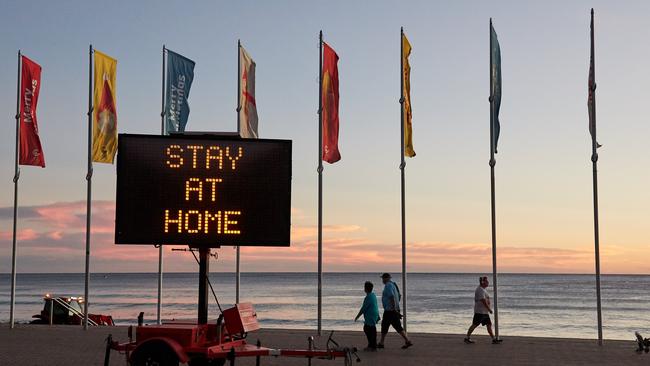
x=26 y=234
x=55 y=237
x=63 y=215
x=299 y=233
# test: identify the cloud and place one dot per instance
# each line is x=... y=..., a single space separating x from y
x=56 y=235
x=26 y=234
x=52 y=239
x=299 y=233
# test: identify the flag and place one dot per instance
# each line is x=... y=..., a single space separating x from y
x=591 y=103
x=31 y=152
x=180 y=74
x=105 y=113
x=406 y=94
x=248 y=109
x=495 y=76
x=330 y=101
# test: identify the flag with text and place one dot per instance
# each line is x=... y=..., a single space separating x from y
x=31 y=152
x=180 y=74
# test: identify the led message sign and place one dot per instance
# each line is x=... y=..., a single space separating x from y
x=203 y=190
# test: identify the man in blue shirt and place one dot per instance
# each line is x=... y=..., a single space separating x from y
x=370 y=312
x=390 y=298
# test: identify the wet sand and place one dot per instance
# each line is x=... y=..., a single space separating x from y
x=71 y=345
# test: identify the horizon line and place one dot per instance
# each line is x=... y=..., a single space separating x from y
x=343 y=272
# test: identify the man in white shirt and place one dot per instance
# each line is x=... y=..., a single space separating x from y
x=482 y=310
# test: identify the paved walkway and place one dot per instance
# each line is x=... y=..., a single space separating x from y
x=67 y=345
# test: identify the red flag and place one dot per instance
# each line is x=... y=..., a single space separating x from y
x=330 y=113
x=31 y=152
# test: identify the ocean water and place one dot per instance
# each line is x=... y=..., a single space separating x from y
x=529 y=304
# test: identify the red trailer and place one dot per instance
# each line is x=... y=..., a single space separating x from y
x=212 y=343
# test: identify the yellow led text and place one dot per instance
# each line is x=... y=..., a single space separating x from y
x=194 y=221
x=200 y=156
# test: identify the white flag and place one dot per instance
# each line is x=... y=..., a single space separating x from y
x=248 y=109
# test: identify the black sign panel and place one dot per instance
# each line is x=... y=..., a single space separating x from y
x=203 y=190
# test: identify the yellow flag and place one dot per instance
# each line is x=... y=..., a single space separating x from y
x=406 y=92
x=105 y=112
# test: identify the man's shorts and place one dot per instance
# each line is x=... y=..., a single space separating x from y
x=481 y=319
x=391 y=318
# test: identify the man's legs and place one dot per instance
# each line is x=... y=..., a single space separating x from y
x=403 y=334
x=385 y=323
x=366 y=330
x=494 y=339
x=397 y=325
x=489 y=328
x=383 y=337
x=471 y=329
x=372 y=337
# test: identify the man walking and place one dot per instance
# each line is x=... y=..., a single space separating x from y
x=482 y=310
x=390 y=298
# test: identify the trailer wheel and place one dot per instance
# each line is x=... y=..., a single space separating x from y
x=154 y=354
x=202 y=361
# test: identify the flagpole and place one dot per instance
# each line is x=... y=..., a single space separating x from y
x=594 y=160
x=237 y=272
x=402 y=166
x=320 y=181
x=160 y=247
x=16 y=177
x=89 y=176
x=493 y=203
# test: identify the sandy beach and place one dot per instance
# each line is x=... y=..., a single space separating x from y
x=71 y=345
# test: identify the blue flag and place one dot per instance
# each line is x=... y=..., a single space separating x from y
x=180 y=73
x=495 y=81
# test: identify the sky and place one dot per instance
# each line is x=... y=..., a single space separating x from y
x=543 y=172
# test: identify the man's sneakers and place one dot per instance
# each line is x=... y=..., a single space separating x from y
x=494 y=341
x=405 y=346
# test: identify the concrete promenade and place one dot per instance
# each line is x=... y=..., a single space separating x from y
x=71 y=345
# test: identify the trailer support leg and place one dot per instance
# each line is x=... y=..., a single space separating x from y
x=257 y=358
x=107 y=355
x=231 y=356
x=310 y=342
